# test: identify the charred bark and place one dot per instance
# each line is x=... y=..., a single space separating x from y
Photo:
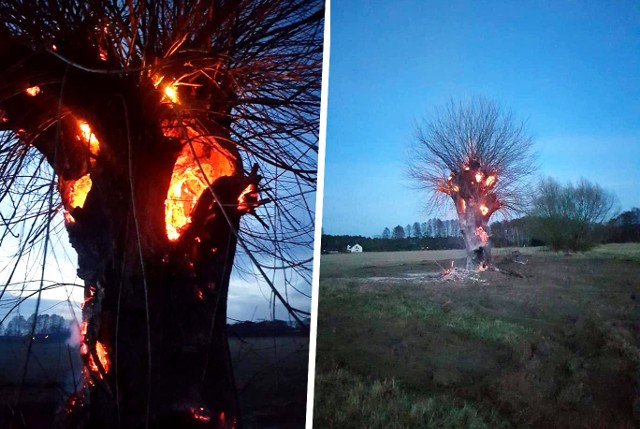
x=477 y=240
x=185 y=379
x=154 y=342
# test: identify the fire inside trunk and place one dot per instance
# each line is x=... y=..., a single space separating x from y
x=154 y=342
x=471 y=189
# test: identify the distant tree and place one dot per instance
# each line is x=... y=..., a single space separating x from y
x=566 y=214
x=423 y=230
x=440 y=227
x=477 y=155
x=429 y=232
x=398 y=232
x=58 y=324
x=417 y=231
x=407 y=231
x=17 y=326
x=625 y=227
x=386 y=234
x=1 y=329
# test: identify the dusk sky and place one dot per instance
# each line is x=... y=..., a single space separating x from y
x=570 y=69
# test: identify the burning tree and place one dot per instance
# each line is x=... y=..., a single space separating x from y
x=479 y=156
x=154 y=127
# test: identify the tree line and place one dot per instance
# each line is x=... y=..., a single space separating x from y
x=433 y=228
x=46 y=324
x=562 y=230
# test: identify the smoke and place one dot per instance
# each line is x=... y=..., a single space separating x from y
x=75 y=338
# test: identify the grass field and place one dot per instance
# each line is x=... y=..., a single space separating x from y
x=553 y=343
x=271 y=377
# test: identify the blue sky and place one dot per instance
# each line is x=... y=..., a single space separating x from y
x=570 y=69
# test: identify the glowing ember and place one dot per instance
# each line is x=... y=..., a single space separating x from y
x=78 y=191
x=482 y=234
x=33 y=91
x=247 y=199
x=89 y=138
x=484 y=210
x=478 y=177
x=101 y=351
x=456 y=188
x=490 y=180
x=462 y=205
x=200 y=414
x=171 y=94
x=68 y=218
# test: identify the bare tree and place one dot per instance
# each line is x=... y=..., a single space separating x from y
x=417 y=231
x=155 y=127
x=479 y=156
x=565 y=215
x=398 y=232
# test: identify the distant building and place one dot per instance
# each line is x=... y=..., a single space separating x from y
x=356 y=248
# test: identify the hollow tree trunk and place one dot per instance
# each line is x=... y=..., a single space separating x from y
x=154 y=321
x=154 y=342
x=174 y=303
x=477 y=240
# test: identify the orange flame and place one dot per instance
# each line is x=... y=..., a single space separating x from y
x=78 y=191
x=482 y=234
x=189 y=178
x=169 y=92
x=462 y=205
x=103 y=356
x=89 y=138
x=249 y=193
x=484 y=210
x=490 y=180
x=33 y=91
x=478 y=177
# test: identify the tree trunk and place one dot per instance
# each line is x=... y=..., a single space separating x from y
x=155 y=346
x=477 y=240
x=154 y=342
x=162 y=326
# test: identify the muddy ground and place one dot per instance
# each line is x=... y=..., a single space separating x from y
x=552 y=343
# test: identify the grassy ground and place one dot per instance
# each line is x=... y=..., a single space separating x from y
x=271 y=377
x=552 y=343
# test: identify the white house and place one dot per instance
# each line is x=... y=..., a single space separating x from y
x=356 y=248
